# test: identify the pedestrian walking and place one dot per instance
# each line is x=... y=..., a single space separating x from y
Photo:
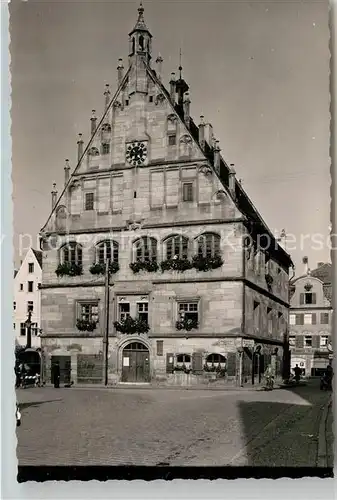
x=269 y=376
x=55 y=373
x=297 y=371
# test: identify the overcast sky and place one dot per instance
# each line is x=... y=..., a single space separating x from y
x=257 y=70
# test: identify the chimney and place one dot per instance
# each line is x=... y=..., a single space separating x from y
x=187 y=103
x=202 y=132
x=107 y=96
x=305 y=261
x=120 y=69
x=159 y=62
x=66 y=172
x=217 y=156
x=231 y=180
x=53 y=197
x=93 y=120
x=79 y=147
x=173 y=87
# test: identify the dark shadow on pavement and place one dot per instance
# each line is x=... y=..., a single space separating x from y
x=23 y=406
x=281 y=428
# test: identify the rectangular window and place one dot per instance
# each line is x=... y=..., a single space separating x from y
x=188 y=191
x=14 y=306
x=151 y=98
x=292 y=319
x=308 y=341
x=14 y=326
x=34 y=329
x=299 y=319
x=308 y=319
x=309 y=298
x=324 y=318
x=160 y=347
x=123 y=310
x=89 y=201
x=30 y=286
x=188 y=310
x=126 y=102
x=30 y=306
x=323 y=340
x=172 y=140
x=21 y=287
x=88 y=312
x=38 y=286
x=143 y=311
x=31 y=267
x=22 y=329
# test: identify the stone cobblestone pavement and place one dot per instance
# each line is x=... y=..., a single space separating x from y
x=150 y=427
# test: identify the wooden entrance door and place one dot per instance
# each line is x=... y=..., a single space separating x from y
x=135 y=363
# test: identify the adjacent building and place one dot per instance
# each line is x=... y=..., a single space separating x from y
x=198 y=283
x=27 y=297
x=310 y=320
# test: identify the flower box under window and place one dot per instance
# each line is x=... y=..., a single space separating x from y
x=206 y=263
x=69 y=269
x=130 y=326
x=99 y=268
x=176 y=264
x=151 y=266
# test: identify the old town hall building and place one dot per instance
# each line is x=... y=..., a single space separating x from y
x=198 y=286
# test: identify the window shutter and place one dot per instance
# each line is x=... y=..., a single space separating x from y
x=169 y=362
x=197 y=366
x=316 y=341
x=301 y=298
x=231 y=364
x=299 y=341
x=301 y=319
x=160 y=344
x=314 y=298
x=313 y=317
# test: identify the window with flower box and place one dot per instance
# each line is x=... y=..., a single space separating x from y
x=183 y=363
x=123 y=311
x=176 y=247
x=188 y=310
x=208 y=245
x=143 y=311
x=88 y=311
x=71 y=254
x=146 y=249
x=107 y=250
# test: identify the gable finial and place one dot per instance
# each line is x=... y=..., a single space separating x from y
x=180 y=66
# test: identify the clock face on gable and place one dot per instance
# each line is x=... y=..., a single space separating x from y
x=136 y=153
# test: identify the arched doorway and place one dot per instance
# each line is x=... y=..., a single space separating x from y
x=135 y=363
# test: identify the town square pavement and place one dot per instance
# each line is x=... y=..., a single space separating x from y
x=137 y=426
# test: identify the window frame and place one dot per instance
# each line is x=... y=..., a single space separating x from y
x=30 y=287
x=30 y=267
x=305 y=338
x=122 y=315
x=30 y=306
x=145 y=249
x=325 y=315
x=176 y=241
x=75 y=253
x=172 y=139
x=292 y=319
x=23 y=328
x=321 y=337
x=110 y=250
x=210 y=247
x=306 y=317
x=89 y=207
x=188 y=195
x=191 y=314
x=90 y=315
x=145 y=313
x=105 y=148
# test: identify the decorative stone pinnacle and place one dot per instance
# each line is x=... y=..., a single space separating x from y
x=159 y=59
x=202 y=120
x=67 y=166
x=79 y=138
x=107 y=89
x=93 y=115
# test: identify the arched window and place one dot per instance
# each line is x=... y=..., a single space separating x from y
x=141 y=42
x=215 y=359
x=93 y=152
x=183 y=358
x=145 y=249
x=208 y=245
x=71 y=253
x=177 y=246
x=106 y=250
